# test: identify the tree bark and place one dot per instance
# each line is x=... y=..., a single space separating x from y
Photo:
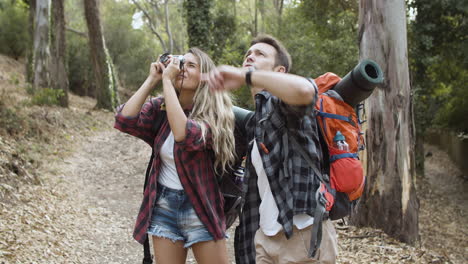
x=41 y=45
x=168 y=28
x=58 y=74
x=106 y=80
x=30 y=50
x=389 y=201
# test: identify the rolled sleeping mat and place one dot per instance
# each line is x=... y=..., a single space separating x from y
x=241 y=114
x=359 y=83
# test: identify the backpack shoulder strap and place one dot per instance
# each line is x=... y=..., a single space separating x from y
x=148 y=259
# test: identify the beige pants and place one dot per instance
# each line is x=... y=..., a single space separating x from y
x=279 y=250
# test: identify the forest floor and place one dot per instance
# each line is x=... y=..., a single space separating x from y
x=70 y=189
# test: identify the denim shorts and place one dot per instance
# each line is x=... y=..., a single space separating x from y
x=174 y=218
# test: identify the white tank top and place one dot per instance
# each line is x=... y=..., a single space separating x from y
x=168 y=175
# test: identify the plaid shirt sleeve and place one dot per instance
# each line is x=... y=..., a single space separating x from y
x=141 y=125
x=194 y=140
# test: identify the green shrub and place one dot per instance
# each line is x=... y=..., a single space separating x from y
x=14 y=37
x=47 y=96
x=14 y=79
x=10 y=122
x=29 y=88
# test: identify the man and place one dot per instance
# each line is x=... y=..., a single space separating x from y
x=277 y=222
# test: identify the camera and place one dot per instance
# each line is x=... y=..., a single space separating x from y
x=165 y=58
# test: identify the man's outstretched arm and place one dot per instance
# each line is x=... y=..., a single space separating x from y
x=291 y=89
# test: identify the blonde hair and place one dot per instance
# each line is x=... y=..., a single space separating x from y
x=216 y=110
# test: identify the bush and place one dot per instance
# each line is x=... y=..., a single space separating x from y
x=47 y=96
x=80 y=73
x=10 y=122
x=14 y=37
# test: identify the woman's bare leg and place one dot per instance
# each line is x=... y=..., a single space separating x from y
x=168 y=252
x=211 y=252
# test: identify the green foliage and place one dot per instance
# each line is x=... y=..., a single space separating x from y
x=320 y=38
x=220 y=37
x=80 y=74
x=199 y=22
x=230 y=36
x=14 y=79
x=132 y=50
x=47 y=96
x=78 y=60
x=243 y=98
x=439 y=63
x=14 y=37
x=29 y=88
x=10 y=122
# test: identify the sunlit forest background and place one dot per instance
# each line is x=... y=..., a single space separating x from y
x=321 y=36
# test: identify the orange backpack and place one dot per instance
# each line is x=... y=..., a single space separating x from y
x=346 y=172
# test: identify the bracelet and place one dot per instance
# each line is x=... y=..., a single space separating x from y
x=248 y=77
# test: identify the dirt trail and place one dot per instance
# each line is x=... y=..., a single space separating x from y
x=108 y=173
x=85 y=210
x=108 y=170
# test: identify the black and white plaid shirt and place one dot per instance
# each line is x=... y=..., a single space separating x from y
x=292 y=180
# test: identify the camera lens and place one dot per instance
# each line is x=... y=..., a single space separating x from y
x=182 y=61
x=164 y=57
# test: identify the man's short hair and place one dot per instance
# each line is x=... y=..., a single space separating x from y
x=282 y=55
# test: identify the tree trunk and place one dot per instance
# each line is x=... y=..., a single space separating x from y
x=199 y=20
x=30 y=50
x=41 y=45
x=167 y=25
x=106 y=81
x=389 y=201
x=255 y=32
x=58 y=74
x=279 y=13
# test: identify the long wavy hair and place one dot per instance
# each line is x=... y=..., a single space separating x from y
x=215 y=109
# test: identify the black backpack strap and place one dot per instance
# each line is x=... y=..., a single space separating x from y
x=147 y=259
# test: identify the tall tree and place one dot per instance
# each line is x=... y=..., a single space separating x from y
x=199 y=22
x=225 y=17
x=30 y=50
x=41 y=45
x=106 y=80
x=389 y=201
x=278 y=4
x=58 y=76
x=46 y=63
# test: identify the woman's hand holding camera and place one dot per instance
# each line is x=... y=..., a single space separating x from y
x=172 y=69
x=155 y=72
x=168 y=69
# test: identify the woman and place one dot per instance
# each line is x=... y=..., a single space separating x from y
x=194 y=139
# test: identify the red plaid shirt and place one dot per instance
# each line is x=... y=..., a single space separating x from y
x=194 y=161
